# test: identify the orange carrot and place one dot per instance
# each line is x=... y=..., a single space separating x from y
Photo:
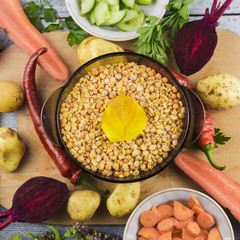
x=200 y=237
x=149 y=233
x=193 y=228
x=186 y=235
x=194 y=202
x=142 y=238
x=224 y=189
x=214 y=234
x=198 y=209
x=149 y=218
x=184 y=223
x=176 y=238
x=165 y=225
x=205 y=220
x=165 y=210
x=203 y=232
x=165 y=236
x=15 y=23
x=181 y=212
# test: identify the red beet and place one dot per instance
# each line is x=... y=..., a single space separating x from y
x=196 y=41
x=37 y=199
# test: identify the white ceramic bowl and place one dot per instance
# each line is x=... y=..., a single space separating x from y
x=182 y=195
x=157 y=8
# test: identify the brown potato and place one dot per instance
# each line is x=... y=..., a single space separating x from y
x=12 y=96
x=12 y=149
x=92 y=47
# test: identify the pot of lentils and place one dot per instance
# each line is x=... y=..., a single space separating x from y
x=72 y=117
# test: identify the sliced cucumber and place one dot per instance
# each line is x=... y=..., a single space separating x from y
x=144 y=2
x=133 y=24
x=131 y=14
x=113 y=5
x=129 y=3
x=101 y=13
x=92 y=18
x=86 y=6
x=116 y=17
x=137 y=7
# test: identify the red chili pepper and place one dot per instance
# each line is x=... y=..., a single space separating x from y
x=65 y=165
x=206 y=141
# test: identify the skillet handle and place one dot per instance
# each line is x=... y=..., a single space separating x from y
x=196 y=118
x=49 y=115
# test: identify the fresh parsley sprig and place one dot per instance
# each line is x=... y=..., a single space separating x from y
x=155 y=39
x=34 y=12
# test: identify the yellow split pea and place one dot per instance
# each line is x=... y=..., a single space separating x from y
x=81 y=116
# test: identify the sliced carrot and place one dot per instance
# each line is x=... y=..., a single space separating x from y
x=149 y=233
x=214 y=234
x=193 y=228
x=176 y=238
x=194 y=202
x=175 y=222
x=165 y=225
x=165 y=236
x=203 y=232
x=181 y=212
x=224 y=189
x=184 y=223
x=177 y=233
x=197 y=209
x=186 y=235
x=205 y=220
x=15 y=23
x=200 y=237
x=155 y=210
x=142 y=238
x=149 y=218
x=165 y=210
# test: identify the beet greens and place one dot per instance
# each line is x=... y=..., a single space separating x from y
x=196 y=41
x=37 y=199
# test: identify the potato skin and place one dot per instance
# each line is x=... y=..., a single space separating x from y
x=219 y=91
x=12 y=96
x=82 y=204
x=12 y=149
x=92 y=47
x=123 y=199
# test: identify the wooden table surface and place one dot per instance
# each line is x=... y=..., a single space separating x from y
x=230 y=20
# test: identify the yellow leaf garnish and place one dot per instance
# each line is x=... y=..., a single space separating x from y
x=123 y=119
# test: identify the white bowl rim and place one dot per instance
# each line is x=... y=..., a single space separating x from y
x=180 y=190
x=105 y=33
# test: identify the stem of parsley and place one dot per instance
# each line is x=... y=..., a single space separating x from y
x=155 y=39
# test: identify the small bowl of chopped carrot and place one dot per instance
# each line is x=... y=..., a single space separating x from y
x=178 y=213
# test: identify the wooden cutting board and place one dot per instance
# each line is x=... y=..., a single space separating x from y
x=36 y=162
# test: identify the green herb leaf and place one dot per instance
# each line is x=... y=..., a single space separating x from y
x=220 y=138
x=33 y=12
x=36 y=21
x=53 y=27
x=57 y=235
x=15 y=237
x=49 y=15
x=155 y=39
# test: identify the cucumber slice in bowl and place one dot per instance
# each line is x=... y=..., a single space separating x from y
x=131 y=14
x=129 y=3
x=116 y=18
x=144 y=2
x=133 y=24
x=101 y=13
x=86 y=6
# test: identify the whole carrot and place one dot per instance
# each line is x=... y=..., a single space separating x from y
x=15 y=23
x=65 y=165
x=206 y=141
x=224 y=189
